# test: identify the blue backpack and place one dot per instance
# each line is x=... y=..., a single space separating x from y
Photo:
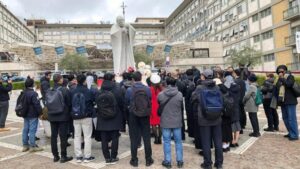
x=78 y=106
x=211 y=103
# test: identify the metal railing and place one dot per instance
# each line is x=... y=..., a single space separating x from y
x=290 y=40
x=291 y=12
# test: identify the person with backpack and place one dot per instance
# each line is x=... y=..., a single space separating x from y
x=154 y=118
x=287 y=99
x=208 y=104
x=32 y=109
x=58 y=103
x=228 y=104
x=109 y=113
x=231 y=105
x=251 y=106
x=171 y=122
x=238 y=80
x=82 y=110
x=271 y=113
x=138 y=99
x=4 y=102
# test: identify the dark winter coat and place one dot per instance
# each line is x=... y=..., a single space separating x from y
x=34 y=105
x=45 y=85
x=242 y=85
x=4 y=90
x=289 y=97
x=267 y=89
x=116 y=122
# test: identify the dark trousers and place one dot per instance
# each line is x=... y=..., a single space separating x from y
x=3 y=113
x=209 y=134
x=61 y=129
x=106 y=137
x=243 y=116
x=271 y=115
x=139 y=125
x=254 y=122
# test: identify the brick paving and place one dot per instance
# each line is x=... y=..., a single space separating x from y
x=271 y=151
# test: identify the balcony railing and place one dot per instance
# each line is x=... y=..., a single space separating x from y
x=291 y=13
x=290 y=40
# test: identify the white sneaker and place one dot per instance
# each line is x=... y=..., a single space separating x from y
x=87 y=160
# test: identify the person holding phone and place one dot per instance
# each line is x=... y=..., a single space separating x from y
x=5 y=88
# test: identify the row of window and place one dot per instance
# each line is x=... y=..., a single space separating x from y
x=269 y=58
x=263 y=36
x=262 y=14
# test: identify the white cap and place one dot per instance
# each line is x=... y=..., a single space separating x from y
x=155 y=79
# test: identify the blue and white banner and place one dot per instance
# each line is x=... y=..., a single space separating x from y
x=81 y=50
x=149 y=49
x=168 y=48
x=38 y=50
x=60 y=50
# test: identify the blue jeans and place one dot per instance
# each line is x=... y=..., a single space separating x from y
x=167 y=134
x=290 y=120
x=29 y=131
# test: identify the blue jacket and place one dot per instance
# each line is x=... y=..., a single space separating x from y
x=34 y=105
x=129 y=92
x=89 y=98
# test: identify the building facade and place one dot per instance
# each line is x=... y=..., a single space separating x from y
x=96 y=33
x=12 y=29
x=236 y=23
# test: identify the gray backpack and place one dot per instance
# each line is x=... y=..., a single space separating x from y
x=55 y=101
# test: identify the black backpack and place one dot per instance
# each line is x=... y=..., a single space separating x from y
x=22 y=105
x=55 y=101
x=106 y=104
x=140 y=104
x=78 y=106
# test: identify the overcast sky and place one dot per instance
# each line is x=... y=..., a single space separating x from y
x=89 y=11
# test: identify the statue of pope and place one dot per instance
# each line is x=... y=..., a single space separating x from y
x=122 y=39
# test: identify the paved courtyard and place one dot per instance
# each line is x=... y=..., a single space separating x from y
x=271 y=151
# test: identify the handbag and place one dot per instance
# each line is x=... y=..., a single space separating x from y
x=162 y=106
x=273 y=103
x=296 y=89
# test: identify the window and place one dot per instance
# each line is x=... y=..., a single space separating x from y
x=267 y=35
x=239 y=9
x=255 y=18
x=265 y=13
x=269 y=57
x=200 y=53
x=256 y=38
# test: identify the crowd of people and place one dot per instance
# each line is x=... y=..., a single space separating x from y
x=214 y=103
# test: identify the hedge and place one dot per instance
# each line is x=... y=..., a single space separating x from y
x=21 y=85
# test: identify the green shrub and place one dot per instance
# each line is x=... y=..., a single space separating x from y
x=21 y=85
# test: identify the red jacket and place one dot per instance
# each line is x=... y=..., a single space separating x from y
x=154 y=118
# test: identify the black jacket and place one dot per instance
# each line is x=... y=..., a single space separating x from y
x=65 y=115
x=45 y=85
x=267 y=89
x=89 y=99
x=116 y=122
x=242 y=85
x=34 y=105
x=4 y=90
x=289 y=97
